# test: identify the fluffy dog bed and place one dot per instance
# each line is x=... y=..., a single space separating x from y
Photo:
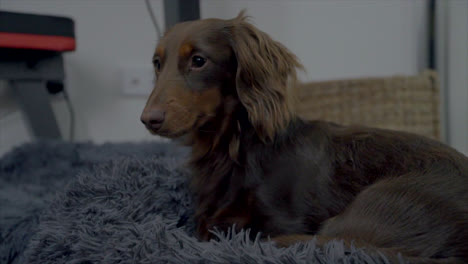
x=121 y=203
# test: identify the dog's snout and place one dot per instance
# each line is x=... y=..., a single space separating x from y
x=153 y=119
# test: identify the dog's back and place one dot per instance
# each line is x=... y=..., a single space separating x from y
x=386 y=189
x=418 y=202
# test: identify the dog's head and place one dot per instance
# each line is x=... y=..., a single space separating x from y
x=201 y=64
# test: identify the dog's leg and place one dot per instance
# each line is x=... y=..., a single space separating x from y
x=407 y=214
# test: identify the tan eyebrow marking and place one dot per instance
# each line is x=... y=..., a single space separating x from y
x=159 y=52
x=185 y=50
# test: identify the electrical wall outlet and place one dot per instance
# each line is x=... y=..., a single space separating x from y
x=137 y=80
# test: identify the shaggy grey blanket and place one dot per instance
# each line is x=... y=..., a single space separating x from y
x=121 y=203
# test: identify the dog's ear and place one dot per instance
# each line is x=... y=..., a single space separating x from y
x=265 y=70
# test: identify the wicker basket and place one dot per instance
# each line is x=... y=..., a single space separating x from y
x=407 y=103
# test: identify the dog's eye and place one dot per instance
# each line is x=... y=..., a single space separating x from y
x=157 y=64
x=198 y=62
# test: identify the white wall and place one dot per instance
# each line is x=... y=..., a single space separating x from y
x=110 y=34
x=333 y=39
x=339 y=39
x=452 y=56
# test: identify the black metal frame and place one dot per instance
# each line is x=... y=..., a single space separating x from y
x=176 y=11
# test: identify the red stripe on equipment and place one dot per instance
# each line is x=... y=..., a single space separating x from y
x=39 y=42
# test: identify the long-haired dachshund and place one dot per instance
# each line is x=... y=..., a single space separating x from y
x=225 y=87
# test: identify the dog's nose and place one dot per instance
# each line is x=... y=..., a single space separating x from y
x=153 y=119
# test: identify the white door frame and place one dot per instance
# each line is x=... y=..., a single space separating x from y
x=452 y=66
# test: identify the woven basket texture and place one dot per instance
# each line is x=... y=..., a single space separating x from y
x=405 y=103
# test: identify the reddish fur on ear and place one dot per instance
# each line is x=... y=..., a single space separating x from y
x=265 y=69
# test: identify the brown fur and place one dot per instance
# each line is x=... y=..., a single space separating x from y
x=259 y=166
